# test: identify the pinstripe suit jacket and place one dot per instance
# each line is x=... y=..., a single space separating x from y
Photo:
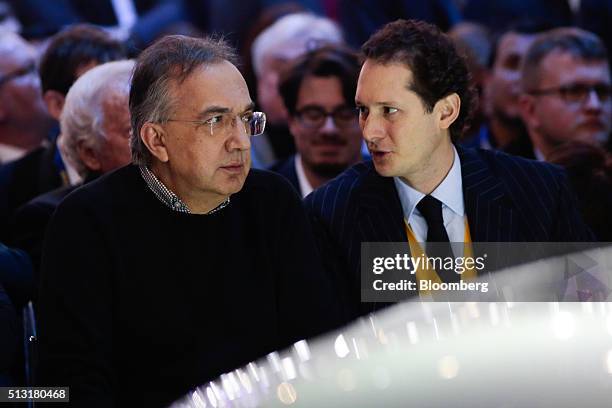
x=507 y=199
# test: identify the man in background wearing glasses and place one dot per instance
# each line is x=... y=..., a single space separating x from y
x=318 y=92
x=566 y=90
x=186 y=264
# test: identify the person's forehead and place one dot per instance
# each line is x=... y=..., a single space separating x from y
x=320 y=89
x=514 y=43
x=559 y=68
x=377 y=79
x=219 y=84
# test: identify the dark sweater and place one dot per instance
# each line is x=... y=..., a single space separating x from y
x=139 y=303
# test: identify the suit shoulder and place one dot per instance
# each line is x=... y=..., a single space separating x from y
x=520 y=168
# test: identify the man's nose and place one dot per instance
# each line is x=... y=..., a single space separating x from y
x=371 y=129
x=239 y=139
x=593 y=101
x=329 y=126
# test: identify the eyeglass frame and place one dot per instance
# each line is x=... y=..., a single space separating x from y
x=23 y=71
x=209 y=122
x=299 y=114
x=562 y=92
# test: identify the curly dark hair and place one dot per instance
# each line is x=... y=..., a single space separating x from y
x=437 y=68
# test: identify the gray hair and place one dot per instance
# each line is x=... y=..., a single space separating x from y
x=303 y=30
x=82 y=117
x=170 y=60
x=579 y=43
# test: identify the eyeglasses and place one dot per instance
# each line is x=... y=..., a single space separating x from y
x=315 y=116
x=578 y=93
x=254 y=123
x=23 y=71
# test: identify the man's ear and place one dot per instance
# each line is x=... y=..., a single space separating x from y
x=448 y=110
x=293 y=126
x=154 y=138
x=88 y=156
x=55 y=103
x=526 y=105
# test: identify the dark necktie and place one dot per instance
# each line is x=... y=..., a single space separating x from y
x=431 y=210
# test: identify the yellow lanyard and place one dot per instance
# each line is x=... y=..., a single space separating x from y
x=429 y=273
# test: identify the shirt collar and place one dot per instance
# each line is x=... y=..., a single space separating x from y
x=538 y=154
x=9 y=153
x=305 y=186
x=73 y=176
x=449 y=191
x=167 y=197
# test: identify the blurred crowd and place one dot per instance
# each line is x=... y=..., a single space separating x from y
x=539 y=69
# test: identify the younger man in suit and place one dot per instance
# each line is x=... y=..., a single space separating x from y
x=414 y=100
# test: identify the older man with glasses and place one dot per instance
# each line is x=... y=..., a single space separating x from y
x=566 y=90
x=186 y=264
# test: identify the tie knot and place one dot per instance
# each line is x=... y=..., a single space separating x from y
x=431 y=209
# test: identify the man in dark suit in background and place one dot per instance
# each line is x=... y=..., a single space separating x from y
x=318 y=92
x=414 y=99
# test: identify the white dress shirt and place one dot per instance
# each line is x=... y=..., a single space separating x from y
x=10 y=153
x=305 y=186
x=449 y=192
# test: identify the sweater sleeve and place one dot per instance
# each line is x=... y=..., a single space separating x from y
x=75 y=313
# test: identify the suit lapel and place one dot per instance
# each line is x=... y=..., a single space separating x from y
x=487 y=205
x=380 y=211
x=288 y=170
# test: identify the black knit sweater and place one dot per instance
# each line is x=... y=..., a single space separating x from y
x=139 y=303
